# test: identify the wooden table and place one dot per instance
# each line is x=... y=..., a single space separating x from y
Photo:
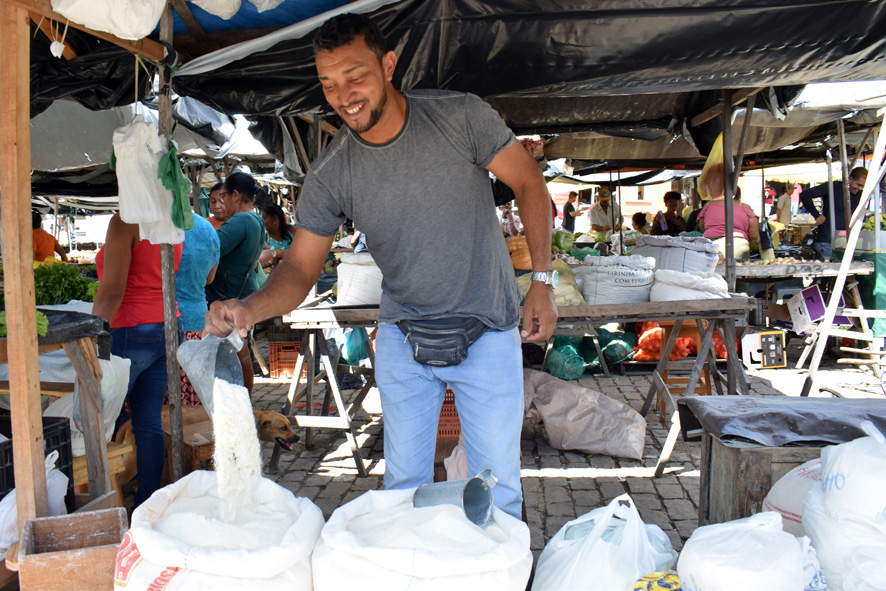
x=810 y=269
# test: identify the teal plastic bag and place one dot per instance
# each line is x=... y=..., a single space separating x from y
x=353 y=344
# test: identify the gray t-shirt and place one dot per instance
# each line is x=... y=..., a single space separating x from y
x=424 y=201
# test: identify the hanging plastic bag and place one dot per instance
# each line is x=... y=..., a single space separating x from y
x=171 y=176
x=751 y=553
x=127 y=19
x=353 y=344
x=608 y=548
x=137 y=149
x=56 y=488
x=710 y=183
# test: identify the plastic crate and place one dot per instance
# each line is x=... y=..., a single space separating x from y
x=56 y=437
x=448 y=426
x=283 y=334
x=283 y=358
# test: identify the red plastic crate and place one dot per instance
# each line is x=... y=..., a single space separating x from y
x=448 y=426
x=283 y=358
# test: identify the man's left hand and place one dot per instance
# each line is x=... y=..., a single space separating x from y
x=539 y=312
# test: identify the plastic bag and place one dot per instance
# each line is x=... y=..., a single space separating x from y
x=567 y=291
x=565 y=363
x=710 y=183
x=353 y=344
x=56 y=488
x=607 y=548
x=137 y=149
x=223 y=9
x=170 y=173
x=850 y=547
x=854 y=474
x=676 y=286
x=127 y=19
x=786 y=496
x=751 y=553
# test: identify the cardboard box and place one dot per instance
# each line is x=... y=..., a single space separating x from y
x=763 y=348
x=808 y=307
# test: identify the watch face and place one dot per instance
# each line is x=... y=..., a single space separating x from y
x=555 y=279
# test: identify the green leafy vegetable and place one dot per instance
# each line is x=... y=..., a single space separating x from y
x=42 y=324
x=59 y=284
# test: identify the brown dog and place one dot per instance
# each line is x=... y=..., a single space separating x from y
x=271 y=426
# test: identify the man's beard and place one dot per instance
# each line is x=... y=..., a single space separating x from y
x=374 y=114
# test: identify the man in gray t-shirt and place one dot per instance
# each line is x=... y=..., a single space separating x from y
x=411 y=169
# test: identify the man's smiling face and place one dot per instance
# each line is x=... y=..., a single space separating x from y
x=355 y=83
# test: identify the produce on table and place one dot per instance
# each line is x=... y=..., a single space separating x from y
x=870 y=223
x=776 y=261
x=42 y=324
x=562 y=241
x=521 y=259
x=59 y=284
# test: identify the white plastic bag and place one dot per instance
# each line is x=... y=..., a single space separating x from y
x=456 y=463
x=786 y=496
x=56 y=488
x=223 y=9
x=146 y=554
x=127 y=19
x=615 y=279
x=263 y=5
x=854 y=474
x=850 y=547
x=607 y=548
x=677 y=286
x=750 y=553
x=456 y=554
x=138 y=149
x=678 y=253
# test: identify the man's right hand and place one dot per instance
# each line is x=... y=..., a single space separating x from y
x=225 y=315
x=820 y=220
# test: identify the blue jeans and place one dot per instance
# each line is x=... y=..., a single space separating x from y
x=488 y=388
x=145 y=346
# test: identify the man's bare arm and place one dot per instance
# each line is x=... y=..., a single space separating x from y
x=285 y=289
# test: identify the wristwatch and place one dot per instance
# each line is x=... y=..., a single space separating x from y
x=551 y=278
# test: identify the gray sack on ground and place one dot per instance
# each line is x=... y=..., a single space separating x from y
x=577 y=418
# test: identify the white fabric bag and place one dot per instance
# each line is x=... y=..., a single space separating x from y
x=750 y=553
x=359 y=281
x=147 y=555
x=672 y=286
x=615 y=279
x=678 y=253
x=854 y=474
x=786 y=496
x=56 y=489
x=606 y=549
x=223 y=9
x=379 y=541
x=127 y=19
x=850 y=547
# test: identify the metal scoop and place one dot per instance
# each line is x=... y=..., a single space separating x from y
x=209 y=358
x=472 y=495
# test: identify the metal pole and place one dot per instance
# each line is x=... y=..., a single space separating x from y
x=621 y=238
x=831 y=223
x=167 y=268
x=847 y=208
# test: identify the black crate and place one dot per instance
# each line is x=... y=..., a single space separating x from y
x=56 y=437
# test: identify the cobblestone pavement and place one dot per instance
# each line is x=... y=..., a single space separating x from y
x=558 y=485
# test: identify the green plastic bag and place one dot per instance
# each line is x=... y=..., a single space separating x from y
x=171 y=176
x=565 y=363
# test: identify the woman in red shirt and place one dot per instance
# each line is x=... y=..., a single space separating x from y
x=130 y=297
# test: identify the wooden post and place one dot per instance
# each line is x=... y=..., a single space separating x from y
x=167 y=269
x=18 y=259
x=728 y=189
x=847 y=207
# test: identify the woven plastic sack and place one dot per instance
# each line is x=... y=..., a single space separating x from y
x=615 y=279
x=607 y=548
x=359 y=281
x=379 y=541
x=670 y=286
x=786 y=496
x=148 y=557
x=678 y=253
x=751 y=553
x=127 y=19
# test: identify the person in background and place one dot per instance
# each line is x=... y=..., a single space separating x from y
x=280 y=234
x=241 y=239
x=783 y=209
x=197 y=269
x=638 y=222
x=603 y=213
x=570 y=212
x=745 y=225
x=510 y=222
x=671 y=222
x=45 y=244
x=823 y=238
x=217 y=205
x=130 y=298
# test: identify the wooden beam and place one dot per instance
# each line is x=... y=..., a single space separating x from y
x=325 y=125
x=190 y=45
x=18 y=262
x=188 y=18
x=149 y=49
x=45 y=25
x=299 y=144
x=714 y=111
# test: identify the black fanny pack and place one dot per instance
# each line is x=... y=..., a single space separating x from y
x=442 y=342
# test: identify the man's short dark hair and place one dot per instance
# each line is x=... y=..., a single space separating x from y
x=342 y=29
x=673 y=196
x=36 y=220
